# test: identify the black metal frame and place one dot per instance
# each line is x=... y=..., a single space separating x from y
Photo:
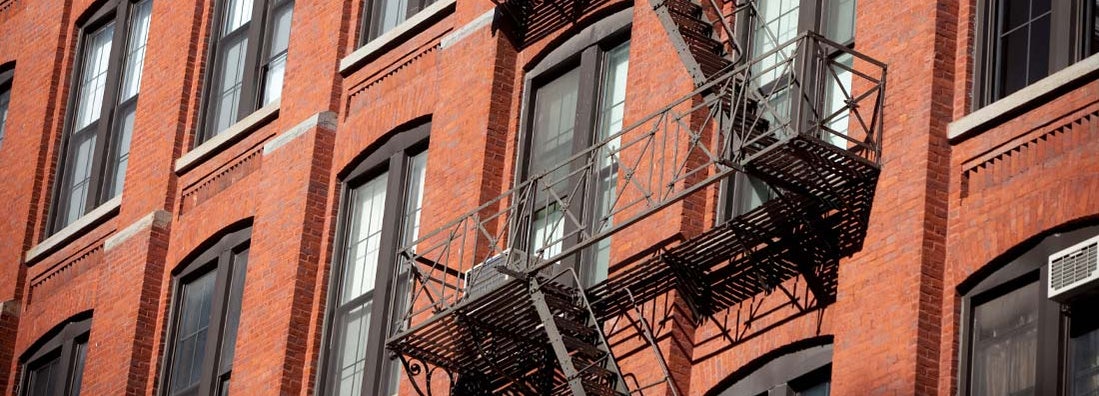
x=1068 y=43
x=216 y=256
x=60 y=343
x=258 y=33
x=589 y=60
x=1025 y=265
x=117 y=11
x=391 y=155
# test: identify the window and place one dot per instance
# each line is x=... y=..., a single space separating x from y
x=382 y=200
x=5 y=99
x=247 y=62
x=380 y=16
x=56 y=365
x=796 y=370
x=775 y=23
x=1015 y=338
x=205 y=318
x=1022 y=41
x=96 y=146
x=580 y=102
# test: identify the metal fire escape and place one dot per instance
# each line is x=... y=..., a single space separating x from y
x=495 y=308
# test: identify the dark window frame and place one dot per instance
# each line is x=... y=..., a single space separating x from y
x=1068 y=44
x=217 y=258
x=258 y=34
x=370 y=27
x=62 y=344
x=104 y=129
x=391 y=155
x=1026 y=265
x=586 y=54
x=733 y=194
x=782 y=372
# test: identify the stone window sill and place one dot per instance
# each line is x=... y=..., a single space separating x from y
x=231 y=135
x=86 y=222
x=410 y=27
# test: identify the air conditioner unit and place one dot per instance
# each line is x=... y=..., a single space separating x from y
x=1074 y=271
x=487 y=276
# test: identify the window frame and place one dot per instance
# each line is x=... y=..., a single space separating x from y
x=7 y=80
x=785 y=371
x=391 y=155
x=61 y=344
x=1068 y=44
x=216 y=258
x=1027 y=264
x=587 y=54
x=104 y=128
x=258 y=34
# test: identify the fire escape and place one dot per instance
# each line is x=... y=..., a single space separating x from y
x=495 y=308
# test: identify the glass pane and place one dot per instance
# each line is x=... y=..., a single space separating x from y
x=232 y=312
x=193 y=322
x=1085 y=363
x=838 y=115
x=276 y=64
x=1005 y=343
x=5 y=100
x=353 y=328
x=42 y=381
x=840 y=23
x=237 y=14
x=821 y=389
x=549 y=230
x=78 y=366
x=124 y=133
x=611 y=114
x=1039 y=49
x=1013 y=74
x=390 y=13
x=417 y=171
x=80 y=174
x=363 y=238
x=755 y=193
x=231 y=62
x=777 y=23
x=93 y=78
x=135 y=49
x=1015 y=13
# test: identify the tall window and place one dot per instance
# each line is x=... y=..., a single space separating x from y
x=1016 y=338
x=382 y=201
x=205 y=318
x=55 y=366
x=96 y=147
x=248 y=60
x=5 y=99
x=1023 y=41
x=572 y=110
x=380 y=16
x=775 y=23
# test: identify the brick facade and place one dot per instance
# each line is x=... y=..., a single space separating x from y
x=947 y=208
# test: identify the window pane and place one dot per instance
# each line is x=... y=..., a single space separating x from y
x=276 y=64
x=124 y=133
x=1084 y=369
x=611 y=114
x=135 y=49
x=353 y=328
x=838 y=116
x=237 y=14
x=78 y=366
x=821 y=389
x=554 y=124
x=93 y=80
x=388 y=14
x=417 y=170
x=5 y=101
x=777 y=23
x=1039 y=49
x=80 y=174
x=42 y=381
x=839 y=25
x=232 y=312
x=1015 y=13
x=189 y=348
x=1005 y=343
x=228 y=92
x=364 y=238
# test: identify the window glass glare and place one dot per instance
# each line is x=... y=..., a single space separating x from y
x=838 y=116
x=237 y=14
x=276 y=65
x=839 y=23
x=611 y=114
x=776 y=24
x=352 y=352
x=80 y=171
x=5 y=101
x=93 y=81
x=135 y=49
x=364 y=238
x=232 y=81
x=193 y=322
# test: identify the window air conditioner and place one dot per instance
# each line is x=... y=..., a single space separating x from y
x=1074 y=271
x=487 y=276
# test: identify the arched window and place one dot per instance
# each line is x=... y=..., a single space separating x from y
x=1017 y=341
x=801 y=369
x=55 y=366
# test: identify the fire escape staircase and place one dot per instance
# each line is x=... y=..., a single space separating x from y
x=493 y=311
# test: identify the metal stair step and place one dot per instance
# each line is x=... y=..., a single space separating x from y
x=583 y=349
x=575 y=328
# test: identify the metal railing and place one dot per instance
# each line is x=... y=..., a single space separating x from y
x=808 y=87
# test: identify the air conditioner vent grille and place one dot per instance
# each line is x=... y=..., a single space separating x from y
x=1074 y=268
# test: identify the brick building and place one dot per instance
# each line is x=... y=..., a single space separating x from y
x=322 y=194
